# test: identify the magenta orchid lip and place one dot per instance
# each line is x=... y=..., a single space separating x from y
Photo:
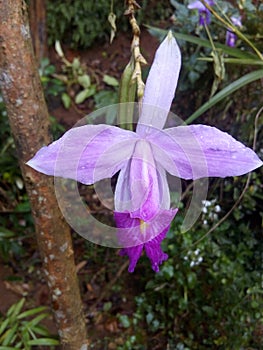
x=142 y=201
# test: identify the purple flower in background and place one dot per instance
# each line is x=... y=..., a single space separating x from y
x=230 y=36
x=204 y=13
x=142 y=201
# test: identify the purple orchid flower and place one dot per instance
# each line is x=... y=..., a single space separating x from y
x=204 y=13
x=230 y=36
x=142 y=201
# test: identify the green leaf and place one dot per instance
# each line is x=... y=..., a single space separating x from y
x=40 y=330
x=14 y=310
x=7 y=348
x=125 y=321
x=26 y=334
x=66 y=100
x=4 y=325
x=43 y=341
x=84 y=80
x=110 y=80
x=35 y=320
x=84 y=94
x=76 y=64
x=5 y=233
x=239 y=83
x=245 y=61
x=149 y=317
x=107 y=306
x=105 y=98
x=23 y=207
x=8 y=337
x=31 y=312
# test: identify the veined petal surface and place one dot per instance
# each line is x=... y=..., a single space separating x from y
x=142 y=187
x=87 y=153
x=202 y=151
x=161 y=84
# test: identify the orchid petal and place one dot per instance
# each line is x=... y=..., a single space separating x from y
x=134 y=254
x=137 y=187
x=87 y=154
x=154 y=251
x=202 y=151
x=163 y=188
x=134 y=231
x=161 y=84
x=152 y=247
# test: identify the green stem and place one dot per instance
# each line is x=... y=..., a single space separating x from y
x=127 y=97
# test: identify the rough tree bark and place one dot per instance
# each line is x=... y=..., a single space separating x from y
x=37 y=20
x=28 y=116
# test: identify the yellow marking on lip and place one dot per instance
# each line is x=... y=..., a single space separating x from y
x=143 y=226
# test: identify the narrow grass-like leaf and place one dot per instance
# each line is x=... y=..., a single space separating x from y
x=43 y=341
x=239 y=83
x=246 y=61
x=9 y=336
x=26 y=336
x=5 y=233
x=40 y=330
x=31 y=312
x=35 y=320
x=4 y=325
x=18 y=345
x=161 y=33
x=15 y=308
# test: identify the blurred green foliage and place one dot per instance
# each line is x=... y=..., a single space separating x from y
x=78 y=23
x=186 y=21
x=15 y=211
x=81 y=24
x=208 y=295
x=79 y=85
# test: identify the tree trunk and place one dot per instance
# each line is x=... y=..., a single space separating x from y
x=37 y=20
x=28 y=116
